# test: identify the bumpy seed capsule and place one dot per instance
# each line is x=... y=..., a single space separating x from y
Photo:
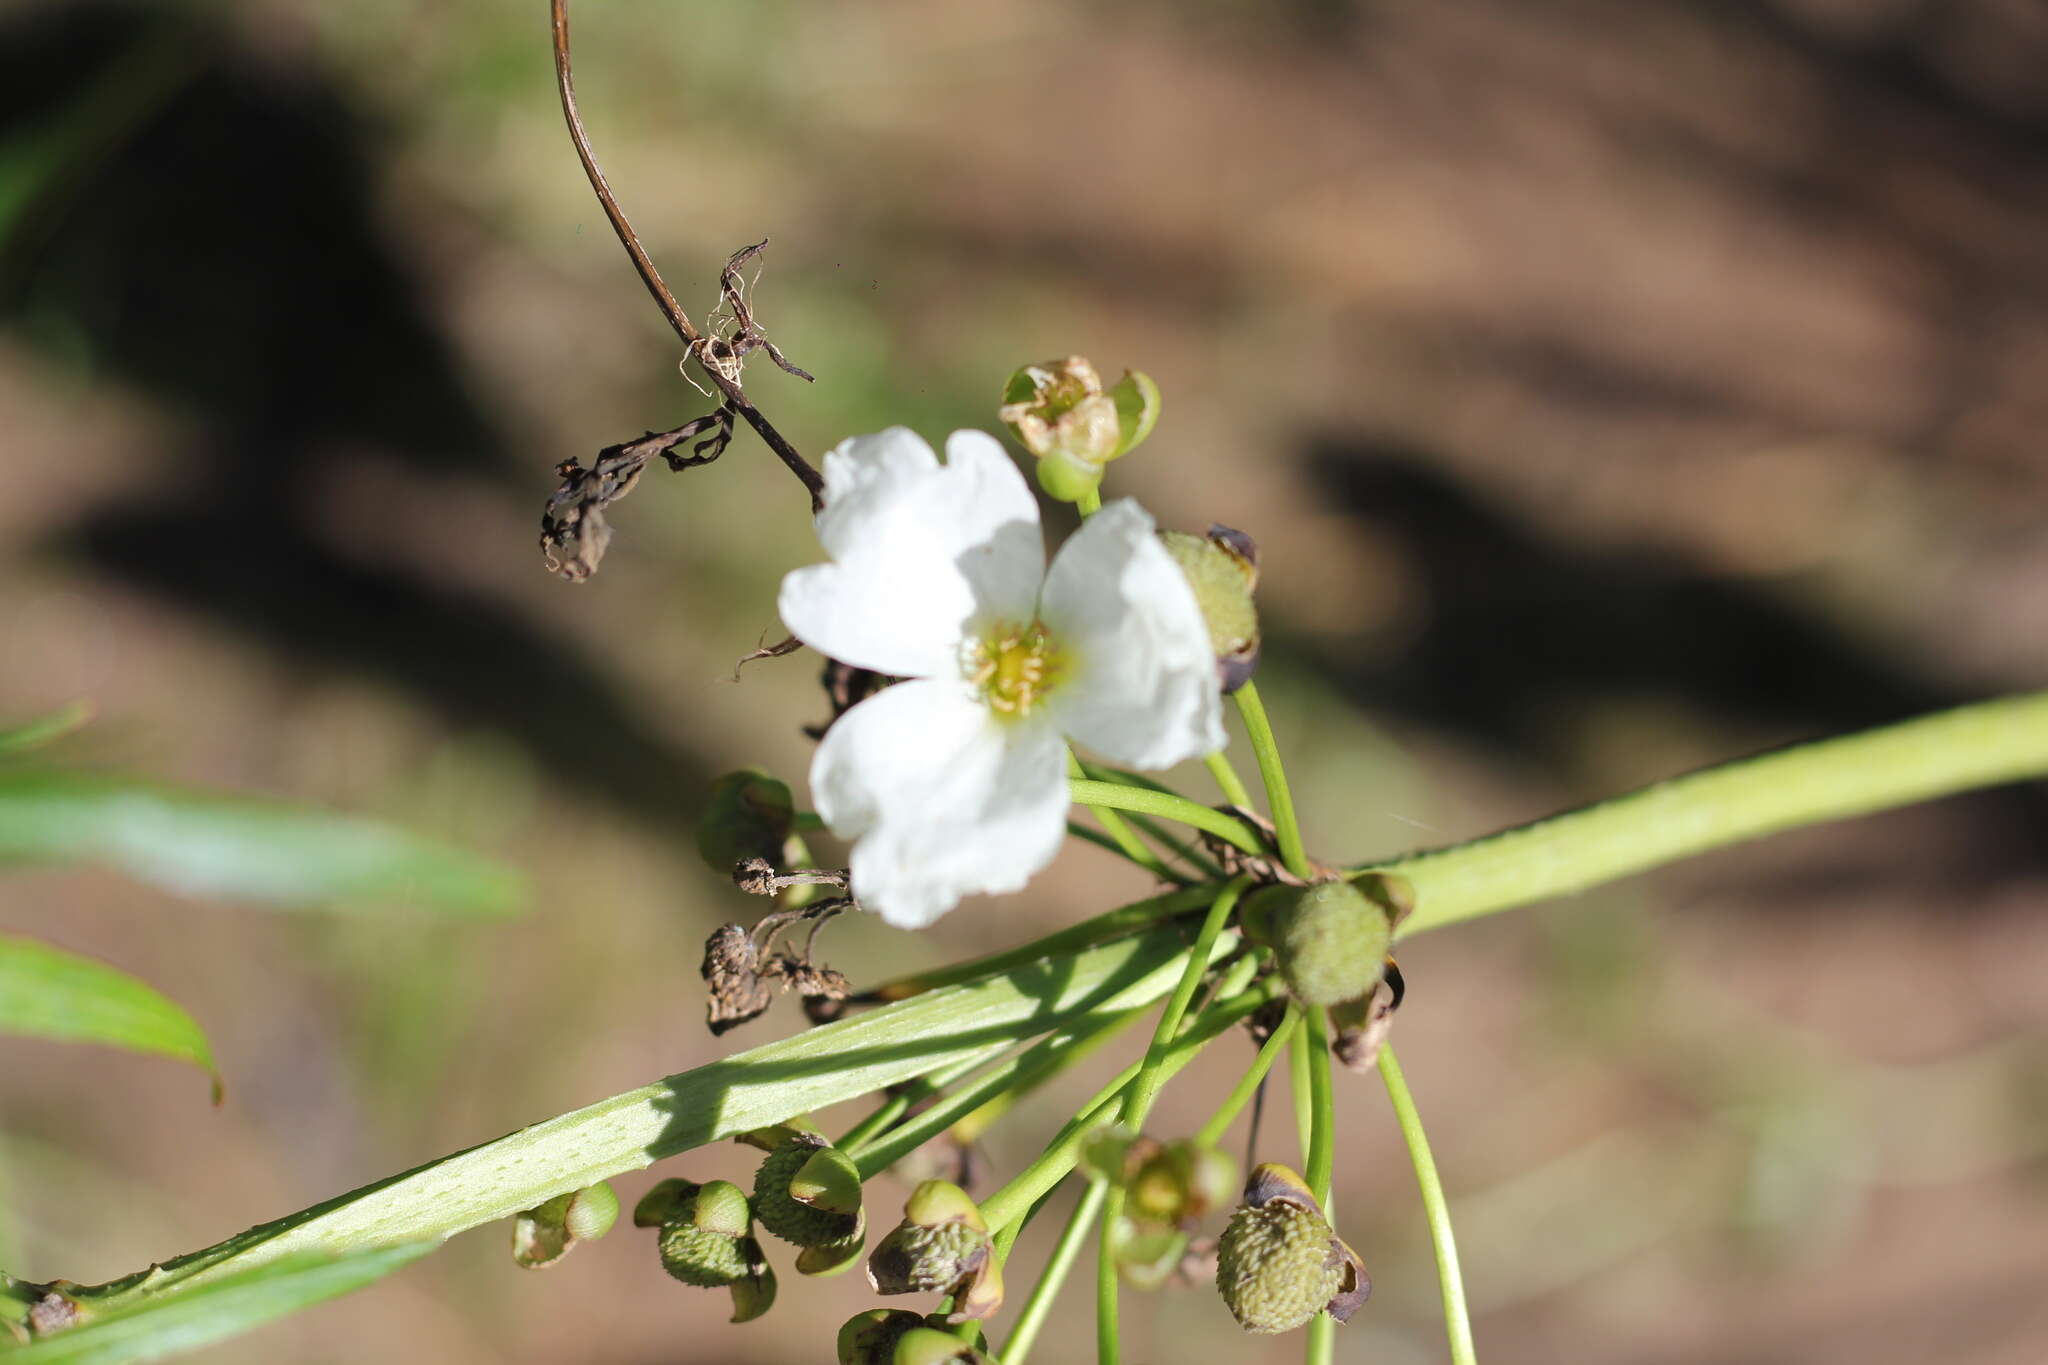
x=698 y=1256
x=748 y=815
x=807 y=1192
x=1278 y=1263
x=870 y=1338
x=1222 y=568
x=706 y=1240
x=1330 y=939
x=941 y=1245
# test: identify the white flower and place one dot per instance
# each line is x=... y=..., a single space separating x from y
x=955 y=782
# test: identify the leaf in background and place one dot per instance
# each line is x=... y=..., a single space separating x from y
x=42 y=730
x=213 y=1312
x=250 y=850
x=48 y=993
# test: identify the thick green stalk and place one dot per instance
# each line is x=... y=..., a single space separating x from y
x=753 y=1089
x=1279 y=799
x=1982 y=745
x=1148 y=802
x=1457 y=1319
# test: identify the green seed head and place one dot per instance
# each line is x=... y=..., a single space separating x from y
x=1278 y=1265
x=702 y=1257
x=1330 y=939
x=808 y=1193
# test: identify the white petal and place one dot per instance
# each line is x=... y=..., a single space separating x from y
x=1142 y=685
x=921 y=552
x=941 y=798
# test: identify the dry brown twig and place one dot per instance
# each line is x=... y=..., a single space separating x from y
x=574 y=520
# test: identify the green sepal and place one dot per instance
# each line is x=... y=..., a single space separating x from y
x=663 y=1203
x=542 y=1236
x=1137 y=409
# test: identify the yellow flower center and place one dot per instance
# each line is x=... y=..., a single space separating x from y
x=1014 y=667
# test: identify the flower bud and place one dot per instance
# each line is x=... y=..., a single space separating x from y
x=541 y=1236
x=1060 y=413
x=941 y=1245
x=870 y=1338
x=1329 y=939
x=748 y=815
x=1279 y=1263
x=1223 y=569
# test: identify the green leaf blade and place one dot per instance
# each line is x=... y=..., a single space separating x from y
x=48 y=993
x=245 y=850
x=43 y=730
x=159 y=1329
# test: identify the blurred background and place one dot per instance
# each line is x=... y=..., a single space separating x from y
x=1613 y=389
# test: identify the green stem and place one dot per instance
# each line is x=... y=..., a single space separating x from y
x=1227 y=781
x=1059 y=1157
x=1064 y=1253
x=1089 y=503
x=1982 y=745
x=1145 y=824
x=1026 y=1068
x=1248 y=1084
x=1457 y=1319
x=1148 y=802
x=1108 y=1336
x=1279 y=800
x=1145 y=1088
x=1322 y=1145
x=1319 y=1346
x=1298 y=1091
x=1127 y=843
x=1137 y=1104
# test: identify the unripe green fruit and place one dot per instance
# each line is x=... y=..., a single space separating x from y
x=701 y=1256
x=795 y=1221
x=1330 y=939
x=1066 y=478
x=1277 y=1266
